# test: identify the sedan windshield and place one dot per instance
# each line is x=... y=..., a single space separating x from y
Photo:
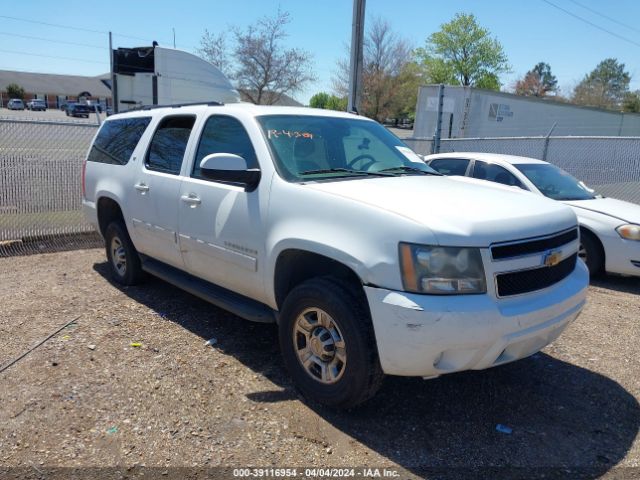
x=311 y=148
x=555 y=183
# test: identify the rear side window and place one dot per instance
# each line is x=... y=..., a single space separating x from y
x=450 y=166
x=117 y=140
x=169 y=143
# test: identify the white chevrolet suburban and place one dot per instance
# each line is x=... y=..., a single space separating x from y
x=368 y=260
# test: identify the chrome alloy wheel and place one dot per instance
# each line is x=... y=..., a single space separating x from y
x=319 y=344
x=582 y=252
x=118 y=256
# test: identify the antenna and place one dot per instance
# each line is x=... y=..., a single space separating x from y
x=174 y=37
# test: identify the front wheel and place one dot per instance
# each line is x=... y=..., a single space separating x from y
x=328 y=344
x=591 y=253
x=123 y=257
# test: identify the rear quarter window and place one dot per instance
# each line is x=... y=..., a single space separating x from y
x=117 y=140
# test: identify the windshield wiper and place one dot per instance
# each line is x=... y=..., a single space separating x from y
x=345 y=170
x=405 y=168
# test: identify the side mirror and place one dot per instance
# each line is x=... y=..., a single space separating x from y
x=227 y=167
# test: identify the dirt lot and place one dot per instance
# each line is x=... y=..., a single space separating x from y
x=88 y=398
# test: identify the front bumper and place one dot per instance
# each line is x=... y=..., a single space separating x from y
x=428 y=335
x=621 y=256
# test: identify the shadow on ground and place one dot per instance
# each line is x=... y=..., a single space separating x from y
x=566 y=421
x=618 y=283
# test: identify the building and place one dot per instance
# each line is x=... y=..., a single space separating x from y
x=56 y=89
x=474 y=113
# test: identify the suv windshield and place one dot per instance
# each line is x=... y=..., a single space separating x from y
x=310 y=148
x=555 y=183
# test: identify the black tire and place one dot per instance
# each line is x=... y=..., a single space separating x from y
x=116 y=236
x=592 y=250
x=346 y=304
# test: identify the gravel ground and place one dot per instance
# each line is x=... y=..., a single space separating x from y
x=89 y=398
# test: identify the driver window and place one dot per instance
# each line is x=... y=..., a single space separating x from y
x=223 y=134
x=495 y=173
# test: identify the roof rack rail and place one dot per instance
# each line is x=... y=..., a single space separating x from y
x=176 y=105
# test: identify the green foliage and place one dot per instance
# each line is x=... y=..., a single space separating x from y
x=15 y=91
x=465 y=52
x=319 y=100
x=328 y=102
x=435 y=70
x=631 y=102
x=605 y=86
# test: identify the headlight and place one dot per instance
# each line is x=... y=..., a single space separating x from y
x=629 y=232
x=441 y=270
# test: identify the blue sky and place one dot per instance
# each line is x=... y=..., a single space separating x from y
x=530 y=31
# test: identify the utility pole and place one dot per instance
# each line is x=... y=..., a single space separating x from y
x=114 y=86
x=174 y=37
x=355 y=67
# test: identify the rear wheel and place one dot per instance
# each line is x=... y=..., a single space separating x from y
x=591 y=253
x=123 y=257
x=327 y=343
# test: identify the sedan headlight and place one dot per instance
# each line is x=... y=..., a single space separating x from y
x=441 y=270
x=629 y=232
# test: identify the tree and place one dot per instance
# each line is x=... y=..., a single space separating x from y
x=385 y=57
x=631 y=102
x=213 y=48
x=262 y=67
x=605 y=87
x=537 y=82
x=265 y=69
x=465 y=52
x=328 y=102
x=15 y=91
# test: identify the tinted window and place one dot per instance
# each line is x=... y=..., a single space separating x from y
x=117 y=140
x=311 y=148
x=495 y=173
x=169 y=143
x=450 y=166
x=224 y=134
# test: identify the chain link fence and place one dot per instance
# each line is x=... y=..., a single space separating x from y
x=610 y=165
x=40 y=186
x=41 y=164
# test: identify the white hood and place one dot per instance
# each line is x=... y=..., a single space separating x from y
x=623 y=211
x=458 y=211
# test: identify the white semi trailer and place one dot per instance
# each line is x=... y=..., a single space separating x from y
x=155 y=75
x=472 y=113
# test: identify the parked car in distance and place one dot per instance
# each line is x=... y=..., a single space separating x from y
x=15 y=104
x=37 y=104
x=78 y=110
x=326 y=224
x=609 y=228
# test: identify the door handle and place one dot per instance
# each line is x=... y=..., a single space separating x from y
x=191 y=199
x=141 y=187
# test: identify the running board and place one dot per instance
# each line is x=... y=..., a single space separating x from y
x=220 y=297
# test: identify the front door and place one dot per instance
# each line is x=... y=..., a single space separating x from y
x=221 y=225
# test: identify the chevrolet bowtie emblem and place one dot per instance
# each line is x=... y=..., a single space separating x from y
x=551 y=258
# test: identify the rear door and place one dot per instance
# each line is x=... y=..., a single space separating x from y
x=156 y=184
